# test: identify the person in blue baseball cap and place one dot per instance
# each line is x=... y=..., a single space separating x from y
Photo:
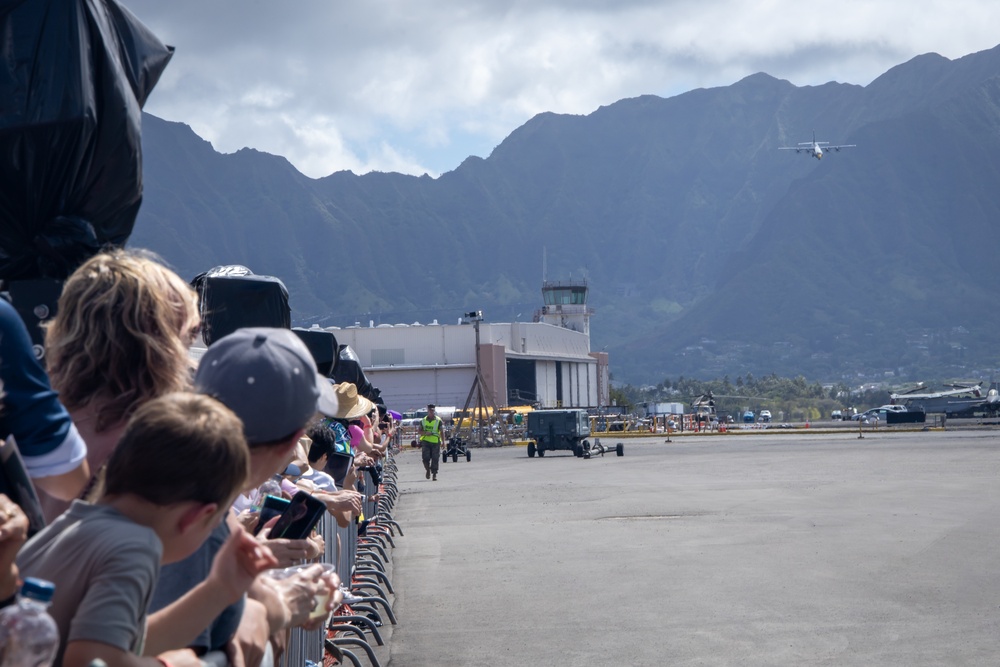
x=268 y=378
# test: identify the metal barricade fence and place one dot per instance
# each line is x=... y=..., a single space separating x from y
x=360 y=563
x=307 y=646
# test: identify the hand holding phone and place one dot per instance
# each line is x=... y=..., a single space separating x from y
x=299 y=518
x=273 y=506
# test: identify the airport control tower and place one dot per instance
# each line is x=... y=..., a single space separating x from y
x=565 y=305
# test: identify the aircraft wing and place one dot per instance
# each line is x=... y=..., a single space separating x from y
x=837 y=148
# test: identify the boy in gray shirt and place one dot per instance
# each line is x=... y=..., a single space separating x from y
x=169 y=482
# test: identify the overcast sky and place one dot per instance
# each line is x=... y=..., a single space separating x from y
x=416 y=87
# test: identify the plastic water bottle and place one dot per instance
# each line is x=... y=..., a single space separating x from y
x=28 y=635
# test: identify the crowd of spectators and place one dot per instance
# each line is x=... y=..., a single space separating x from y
x=150 y=470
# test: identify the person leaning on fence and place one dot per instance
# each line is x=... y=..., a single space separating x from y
x=386 y=430
x=344 y=463
x=431 y=435
x=269 y=379
x=346 y=425
x=180 y=462
x=373 y=437
x=344 y=504
x=340 y=460
x=316 y=458
x=119 y=338
x=354 y=409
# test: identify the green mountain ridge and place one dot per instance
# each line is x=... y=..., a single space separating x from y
x=708 y=251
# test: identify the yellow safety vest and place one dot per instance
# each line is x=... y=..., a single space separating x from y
x=433 y=426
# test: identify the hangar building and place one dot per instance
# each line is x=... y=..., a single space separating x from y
x=546 y=362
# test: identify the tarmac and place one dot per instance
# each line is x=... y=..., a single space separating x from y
x=785 y=549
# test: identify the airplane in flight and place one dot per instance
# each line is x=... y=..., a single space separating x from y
x=815 y=148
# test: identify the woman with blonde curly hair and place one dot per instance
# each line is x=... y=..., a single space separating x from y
x=120 y=338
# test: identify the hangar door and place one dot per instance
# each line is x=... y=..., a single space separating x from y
x=521 y=387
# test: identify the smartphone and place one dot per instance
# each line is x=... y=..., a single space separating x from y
x=273 y=506
x=299 y=518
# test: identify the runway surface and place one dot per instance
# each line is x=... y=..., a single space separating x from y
x=761 y=549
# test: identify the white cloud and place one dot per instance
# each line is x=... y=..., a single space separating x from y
x=393 y=85
x=265 y=97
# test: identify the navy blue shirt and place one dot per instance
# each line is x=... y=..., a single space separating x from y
x=176 y=579
x=45 y=434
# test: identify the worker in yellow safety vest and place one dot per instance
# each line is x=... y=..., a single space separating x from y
x=431 y=435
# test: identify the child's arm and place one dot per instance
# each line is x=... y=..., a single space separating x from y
x=81 y=653
x=234 y=568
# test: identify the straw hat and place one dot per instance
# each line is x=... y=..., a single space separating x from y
x=351 y=404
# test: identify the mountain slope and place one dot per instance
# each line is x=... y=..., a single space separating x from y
x=689 y=224
x=877 y=265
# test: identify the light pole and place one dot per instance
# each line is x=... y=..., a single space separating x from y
x=476 y=316
x=479 y=388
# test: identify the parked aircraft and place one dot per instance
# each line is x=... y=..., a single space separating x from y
x=815 y=148
x=959 y=399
